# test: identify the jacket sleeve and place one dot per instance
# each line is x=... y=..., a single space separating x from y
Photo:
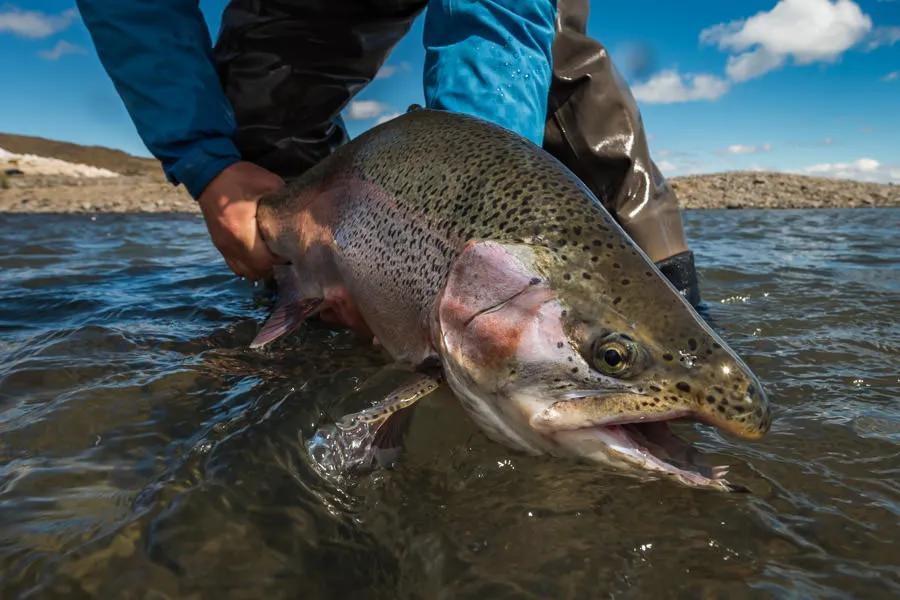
x=159 y=56
x=491 y=59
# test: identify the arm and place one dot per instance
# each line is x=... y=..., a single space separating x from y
x=159 y=56
x=491 y=59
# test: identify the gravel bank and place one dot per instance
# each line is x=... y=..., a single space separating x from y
x=745 y=189
x=151 y=193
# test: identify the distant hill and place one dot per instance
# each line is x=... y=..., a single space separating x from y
x=148 y=191
x=96 y=156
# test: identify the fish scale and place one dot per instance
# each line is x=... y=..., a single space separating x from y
x=379 y=229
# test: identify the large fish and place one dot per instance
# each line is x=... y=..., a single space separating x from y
x=478 y=259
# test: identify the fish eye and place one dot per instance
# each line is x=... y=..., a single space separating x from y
x=613 y=357
x=614 y=354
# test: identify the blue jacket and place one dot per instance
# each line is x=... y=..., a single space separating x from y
x=487 y=58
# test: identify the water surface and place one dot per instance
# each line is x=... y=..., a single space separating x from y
x=144 y=449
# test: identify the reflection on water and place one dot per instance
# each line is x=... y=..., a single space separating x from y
x=143 y=447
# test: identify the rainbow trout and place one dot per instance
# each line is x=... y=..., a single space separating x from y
x=479 y=260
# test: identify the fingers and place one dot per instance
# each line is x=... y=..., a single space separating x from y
x=236 y=267
x=229 y=206
x=251 y=260
x=244 y=265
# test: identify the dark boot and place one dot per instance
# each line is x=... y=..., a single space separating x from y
x=594 y=127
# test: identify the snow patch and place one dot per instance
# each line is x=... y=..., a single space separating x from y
x=31 y=164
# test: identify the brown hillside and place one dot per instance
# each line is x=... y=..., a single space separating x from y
x=96 y=156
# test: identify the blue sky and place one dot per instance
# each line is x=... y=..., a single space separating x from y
x=794 y=85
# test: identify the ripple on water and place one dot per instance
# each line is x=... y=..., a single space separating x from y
x=144 y=448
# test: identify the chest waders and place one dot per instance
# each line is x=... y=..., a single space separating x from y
x=290 y=66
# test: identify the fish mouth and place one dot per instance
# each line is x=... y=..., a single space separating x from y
x=652 y=446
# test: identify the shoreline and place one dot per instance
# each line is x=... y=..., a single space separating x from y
x=151 y=193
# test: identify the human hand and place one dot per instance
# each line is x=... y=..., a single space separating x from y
x=229 y=205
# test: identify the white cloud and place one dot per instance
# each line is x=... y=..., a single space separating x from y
x=752 y=64
x=863 y=169
x=667 y=166
x=388 y=71
x=61 y=49
x=359 y=110
x=387 y=117
x=670 y=86
x=883 y=36
x=806 y=31
x=892 y=76
x=34 y=24
x=744 y=149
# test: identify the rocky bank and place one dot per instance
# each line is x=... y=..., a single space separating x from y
x=151 y=193
x=48 y=176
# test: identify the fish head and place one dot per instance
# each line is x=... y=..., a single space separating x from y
x=586 y=366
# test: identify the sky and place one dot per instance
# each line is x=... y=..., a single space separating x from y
x=807 y=86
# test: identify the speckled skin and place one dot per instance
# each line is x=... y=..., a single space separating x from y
x=378 y=228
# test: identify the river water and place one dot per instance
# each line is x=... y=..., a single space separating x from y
x=145 y=452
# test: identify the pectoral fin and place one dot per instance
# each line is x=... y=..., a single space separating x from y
x=292 y=308
x=372 y=436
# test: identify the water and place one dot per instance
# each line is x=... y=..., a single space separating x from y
x=144 y=448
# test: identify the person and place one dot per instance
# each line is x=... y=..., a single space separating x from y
x=234 y=121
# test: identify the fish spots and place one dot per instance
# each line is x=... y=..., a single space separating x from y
x=683 y=386
x=692 y=344
x=711 y=399
x=483 y=184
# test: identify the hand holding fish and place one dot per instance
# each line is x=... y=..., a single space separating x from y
x=229 y=206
